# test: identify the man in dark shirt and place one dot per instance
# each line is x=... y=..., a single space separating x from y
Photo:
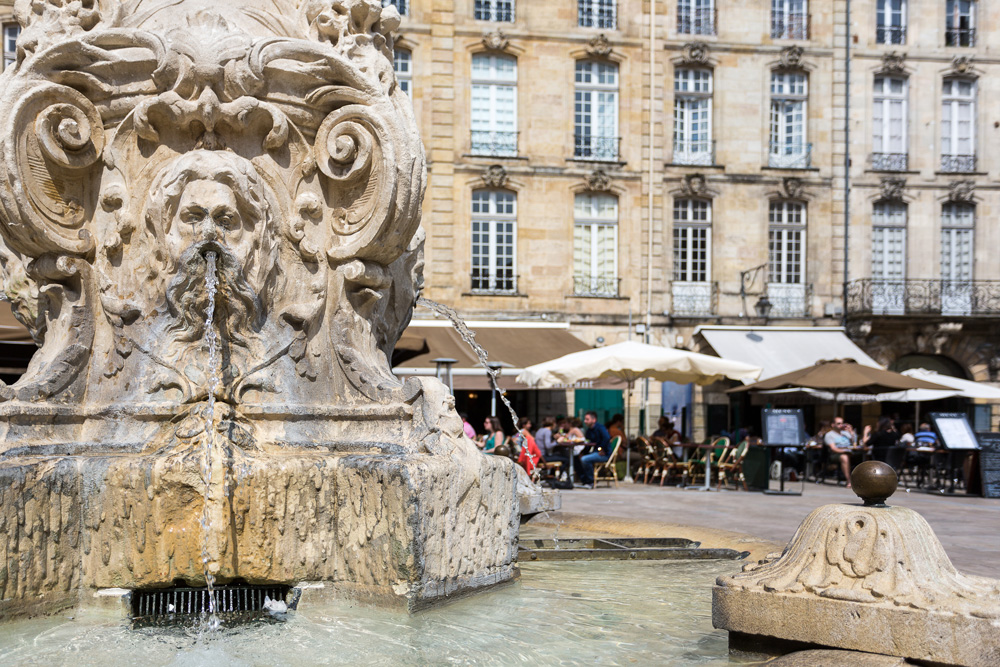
x=598 y=435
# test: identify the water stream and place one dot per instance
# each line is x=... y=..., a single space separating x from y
x=212 y=340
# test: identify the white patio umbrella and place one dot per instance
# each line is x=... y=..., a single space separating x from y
x=631 y=361
x=960 y=387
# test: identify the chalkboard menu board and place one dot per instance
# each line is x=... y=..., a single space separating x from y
x=784 y=427
x=989 y=463
x=955 y=430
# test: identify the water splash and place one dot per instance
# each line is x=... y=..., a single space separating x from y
x=212 y=339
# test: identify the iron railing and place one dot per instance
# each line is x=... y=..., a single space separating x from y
x=597 y=14
x=958 y=164
x=890 y=34
x=790 y=26
x=694 y=299
x=606 y=286
x=694 y=152
x=501 y=11
x=790 y=156
x=970 y=298
x=494 y=144
x=502 y=281
x=600 y=149
x=960 y=37
x=696 y=21
x=890 y=161
x=790 y=299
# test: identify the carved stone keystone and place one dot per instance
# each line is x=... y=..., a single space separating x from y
x=138 y=137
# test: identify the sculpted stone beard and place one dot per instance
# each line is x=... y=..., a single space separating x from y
x=238 y=309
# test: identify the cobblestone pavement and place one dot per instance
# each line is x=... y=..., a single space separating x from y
x=969 y=527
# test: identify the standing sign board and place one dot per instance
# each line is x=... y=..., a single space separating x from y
x=989 y=463
x=784 y=427
x=955 y=430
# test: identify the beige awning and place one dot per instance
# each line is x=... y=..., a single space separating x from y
x=10 y=328
x=515 y=345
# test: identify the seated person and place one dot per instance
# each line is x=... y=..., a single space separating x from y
x=598 y=435
x=493 y=436
x=841 y=441
x=670 y=436
x=530 y=457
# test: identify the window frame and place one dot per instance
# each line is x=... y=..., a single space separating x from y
x=404 y=79
x=492 y=219
x=589 y=93
x=882 y=106
x=601 y=14
x=402 y=6
x=782 y=232
x=491 y=10
x=889 y=32
x=10 y=30
x=951 y=105
x=691 y=215
x=596 y=282
x=493 y=137
x=693 y=19
x=786 y=100
x=889 y=218
x=783 y=23
x=956 y=35
x=687 y=103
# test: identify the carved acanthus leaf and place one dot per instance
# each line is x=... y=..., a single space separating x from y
x=791 y=57
x=962 y=65
x=695 y=53
x=894 y=62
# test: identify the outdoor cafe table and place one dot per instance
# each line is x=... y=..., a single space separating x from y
x=691 y=447
x=571 y=446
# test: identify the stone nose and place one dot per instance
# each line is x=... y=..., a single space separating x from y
x=206 y=229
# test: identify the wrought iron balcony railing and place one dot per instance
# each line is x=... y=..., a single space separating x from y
x=606 y=286
x=958 y=164
x=501 y=11
x=694 y=152
x=969 y=298
x=697 y=21
x=960 y=37
x=494 y=144
x=890 y=161
x=595 y=14
x=790 y=156
x=694 y=299
x=502 y=281
x=790 y=299
x=790 y=26
x=890 y=34
x=600 y=149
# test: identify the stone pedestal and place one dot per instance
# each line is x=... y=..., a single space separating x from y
x=872 y=579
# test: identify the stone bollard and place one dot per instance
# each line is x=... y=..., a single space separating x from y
x=870 y=578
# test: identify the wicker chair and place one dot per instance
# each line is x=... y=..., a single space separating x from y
x=606 y=471
x=732 y=466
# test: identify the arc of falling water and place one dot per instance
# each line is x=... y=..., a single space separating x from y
x=212 y=339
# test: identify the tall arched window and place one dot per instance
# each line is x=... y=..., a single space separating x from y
x=889 y=126
x=692 y=289
x=402 y=62
x=595 y=245
x=693 y=117
x=788 y=146
x=888 y=257
x=494 y=105
x=494 y=241
x=958 y=228
x=786 y=242
x=958 y=125
x=595 y=111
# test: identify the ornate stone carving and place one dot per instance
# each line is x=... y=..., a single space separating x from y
x=894 y=62
x=599 y=181
x=140 y=139
x=694 y=185
x=892 y=189
x=962 y=64
x=496 y=40
x=791 y=57
x=962 y=191
x=793 y=188
x=495 y=176
x=695 y=53
x=599 y=47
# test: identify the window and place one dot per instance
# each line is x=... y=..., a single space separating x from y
x=692 y=240
x=595 y=120
x=494 y=229
x=595 y=245
x=786 y=221
x=597 y=14
x=10 y=34
x=789 y=19
x=402 y=6
x=889 y=150
x=788 y=147
x=402 y=62
x=695 y=17
x=889 y=258
x=960 y=23
x=494 y=105
x=958 y=125
x=501 y=11
x=957 y=235
x=890 y=22
x=693 y=117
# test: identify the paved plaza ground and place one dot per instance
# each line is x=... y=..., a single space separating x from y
x=969 y=527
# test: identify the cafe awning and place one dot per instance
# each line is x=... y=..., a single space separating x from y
x=516 y=345
x=780 y=350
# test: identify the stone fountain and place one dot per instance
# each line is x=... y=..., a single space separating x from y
x=160 y=435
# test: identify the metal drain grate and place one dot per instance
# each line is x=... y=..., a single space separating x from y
x=179 y=604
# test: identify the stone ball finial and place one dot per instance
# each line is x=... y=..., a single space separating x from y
x=874 y=482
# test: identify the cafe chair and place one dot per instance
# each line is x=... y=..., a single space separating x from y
x=731 y=466
x=701 y=461
x=606 y=471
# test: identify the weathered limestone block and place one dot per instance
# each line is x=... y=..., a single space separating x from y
x=872 y=579
x=209 y=221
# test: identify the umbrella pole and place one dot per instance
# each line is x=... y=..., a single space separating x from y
x=628 y=448
x=916 y=417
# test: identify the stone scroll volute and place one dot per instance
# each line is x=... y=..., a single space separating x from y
x=274 y=136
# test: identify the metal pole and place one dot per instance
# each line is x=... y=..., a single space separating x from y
x=847 y=158
x=628 y=448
